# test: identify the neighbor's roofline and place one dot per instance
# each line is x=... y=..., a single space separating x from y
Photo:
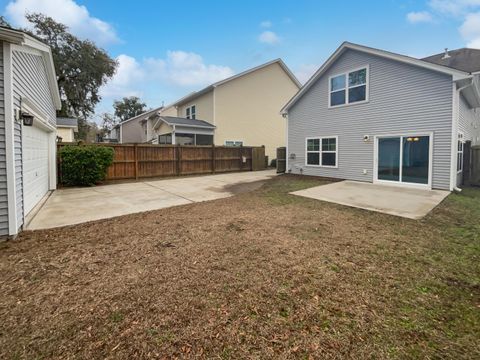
x=456 y=74
x=149 y=112
x=234 y=77
x=19 y=37
x=185 y=125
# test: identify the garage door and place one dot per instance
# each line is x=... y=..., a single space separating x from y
x=35 y=166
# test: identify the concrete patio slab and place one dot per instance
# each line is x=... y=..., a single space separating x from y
x=399 y=201
x=76 y=205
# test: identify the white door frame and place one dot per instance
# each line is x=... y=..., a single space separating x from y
x=400 y=183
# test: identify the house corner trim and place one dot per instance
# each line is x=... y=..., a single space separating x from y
x=9 y=140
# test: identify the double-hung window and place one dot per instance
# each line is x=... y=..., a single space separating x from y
x=348 y=88
x=322 y=151
x=190 y=112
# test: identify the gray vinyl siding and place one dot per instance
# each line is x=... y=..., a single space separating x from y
x=402 y=98
x=469 y=125
x=29 y=81
x=3 y=167
x=469 y=122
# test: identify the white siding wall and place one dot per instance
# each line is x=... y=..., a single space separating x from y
x=469 y=122
x=3 y=174
x=469 y=125
x=29 y=80
x=403 y=98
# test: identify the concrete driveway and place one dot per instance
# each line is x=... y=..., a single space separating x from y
x=399 y=201
x=77 y=205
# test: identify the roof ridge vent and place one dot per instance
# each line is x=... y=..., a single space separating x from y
x=446 y=55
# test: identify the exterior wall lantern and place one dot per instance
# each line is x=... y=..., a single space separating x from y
x=27 y=119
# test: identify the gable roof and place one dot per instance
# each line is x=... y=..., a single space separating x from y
x=456 y=74
x=464 y=59
x=22 y=38
x=231 y=78
x=143 y=115
x=172 y=120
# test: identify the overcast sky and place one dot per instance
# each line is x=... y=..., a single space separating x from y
x=167 y=49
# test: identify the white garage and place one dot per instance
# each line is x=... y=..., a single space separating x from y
x=29 y=101
x=35 y=158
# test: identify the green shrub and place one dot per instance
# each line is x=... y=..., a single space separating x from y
x=85 y=165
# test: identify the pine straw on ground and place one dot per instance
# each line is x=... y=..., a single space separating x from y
x=263 y=274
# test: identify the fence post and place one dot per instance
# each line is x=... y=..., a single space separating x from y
x=251 y=156
x=213 y=158
x=135 y=149
x=241 y=157
x=179 y=159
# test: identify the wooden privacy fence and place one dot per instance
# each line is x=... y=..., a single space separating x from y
x=475 y=166
x=134 y=161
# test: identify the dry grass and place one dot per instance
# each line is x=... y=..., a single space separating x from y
x=260 y=275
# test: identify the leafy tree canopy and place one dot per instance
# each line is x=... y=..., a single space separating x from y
x=82 y=68
x=108 y=122
x=129 y=107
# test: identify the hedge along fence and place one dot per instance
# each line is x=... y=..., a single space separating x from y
x=134 y=161
x=84 y=165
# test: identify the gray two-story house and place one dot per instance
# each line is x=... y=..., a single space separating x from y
x=376 y=116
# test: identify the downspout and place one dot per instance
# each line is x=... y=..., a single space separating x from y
x=455 y=132
x=173 y=136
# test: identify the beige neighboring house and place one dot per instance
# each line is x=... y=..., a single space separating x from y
x=66 y=129
x=243 y=110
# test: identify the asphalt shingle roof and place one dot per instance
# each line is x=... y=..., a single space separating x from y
x=187 y=122
x=67 y=121
x=464 y=59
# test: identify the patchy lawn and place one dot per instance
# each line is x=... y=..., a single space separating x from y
x=259 y=275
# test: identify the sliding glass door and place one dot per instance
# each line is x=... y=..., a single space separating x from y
x=404 y=159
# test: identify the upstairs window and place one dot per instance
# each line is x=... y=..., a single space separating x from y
x=348 y=88
x=190 y=112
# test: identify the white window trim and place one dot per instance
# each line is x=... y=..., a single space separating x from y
x=347 y=103
x=321 y=151
x=376 y=180
x=460 y=138
x=195 y=113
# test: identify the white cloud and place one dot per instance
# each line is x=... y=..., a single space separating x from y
x=183 y=68
x=179 y=68
x=470 y=30
x=68 y=12
x=127 y=79
x=266 y=24
x=465 y=11
x=419 y=17
x=305 y=72
x=453 y=7
x=269 y=37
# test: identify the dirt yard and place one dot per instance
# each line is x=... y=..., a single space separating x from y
x=263 y=274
